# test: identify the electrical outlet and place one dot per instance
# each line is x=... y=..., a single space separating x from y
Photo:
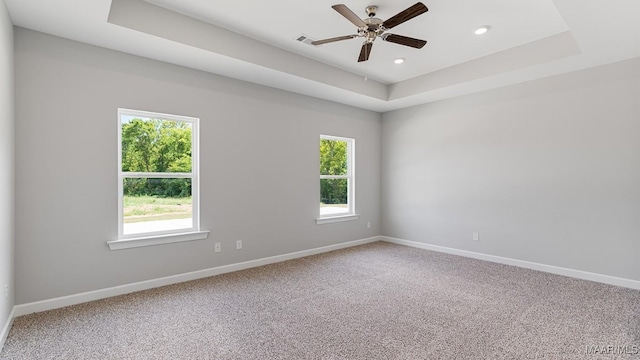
x=238 y=244
x=368 y=224
x=217 y=247
x=476 y=236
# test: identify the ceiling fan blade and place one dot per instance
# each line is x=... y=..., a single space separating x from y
x=350 y=15
x=408 y=14
x=339 y=38
x=365 y=51
x=404 y=40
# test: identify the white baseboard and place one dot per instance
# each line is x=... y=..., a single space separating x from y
x=6 y=328
x=60 y=302
x=63 y=301
x=579 y=274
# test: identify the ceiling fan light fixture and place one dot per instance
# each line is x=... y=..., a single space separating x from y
x=482 y=30
x=398 y=61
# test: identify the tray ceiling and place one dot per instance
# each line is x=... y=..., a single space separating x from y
x=256 y=41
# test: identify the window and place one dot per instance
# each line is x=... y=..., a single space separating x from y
x=336 y=179
x=157 y=176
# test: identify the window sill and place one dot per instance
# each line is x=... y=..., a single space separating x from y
x=334 y=219
x=156 y=240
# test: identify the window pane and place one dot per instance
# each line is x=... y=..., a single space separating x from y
x=152 y=205
x=333 y=196
x=155 y=145
x=333 y=157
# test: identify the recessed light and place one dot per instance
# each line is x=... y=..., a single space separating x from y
x=482 y=30
x=398 y=60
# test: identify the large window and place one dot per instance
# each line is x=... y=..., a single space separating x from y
x=336 y=177
x=158 y=174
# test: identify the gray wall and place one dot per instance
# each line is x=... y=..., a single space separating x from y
x=259 y=166
x=547 y=171
x=6 y=164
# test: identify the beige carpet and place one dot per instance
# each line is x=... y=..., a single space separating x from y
x=377 y=301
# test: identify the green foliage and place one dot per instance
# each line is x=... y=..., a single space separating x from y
x=156 y=145
x=174 y=188
x=333 y=161
x=333 y=191
x=333 y=157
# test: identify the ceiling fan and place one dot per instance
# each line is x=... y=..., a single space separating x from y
x=372 y=28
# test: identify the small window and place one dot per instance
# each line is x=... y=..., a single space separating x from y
x=336 y=176
x=158 y=174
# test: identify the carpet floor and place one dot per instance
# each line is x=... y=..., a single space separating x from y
x=376 y=301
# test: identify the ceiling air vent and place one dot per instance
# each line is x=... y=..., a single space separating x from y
x=305 y=39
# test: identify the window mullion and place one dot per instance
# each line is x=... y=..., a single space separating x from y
x=163 y=175
x=334 y=176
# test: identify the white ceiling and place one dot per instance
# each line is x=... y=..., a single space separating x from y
x=254 y=40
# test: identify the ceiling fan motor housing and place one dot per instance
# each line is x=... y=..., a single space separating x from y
x=374 y=24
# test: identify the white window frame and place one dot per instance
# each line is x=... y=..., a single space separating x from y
x=350 y=214
x=166 y=236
